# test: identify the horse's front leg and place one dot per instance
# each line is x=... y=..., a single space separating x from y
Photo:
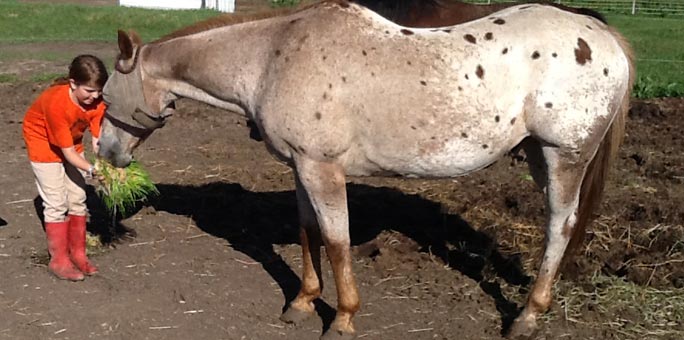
x=325 y=186
x=302 y=306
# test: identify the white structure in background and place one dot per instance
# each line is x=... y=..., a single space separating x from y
x=221 y=5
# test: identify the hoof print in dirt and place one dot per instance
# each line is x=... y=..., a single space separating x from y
x=294 y=316
x=337 y=335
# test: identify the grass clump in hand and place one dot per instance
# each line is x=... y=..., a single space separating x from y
x=121 y=189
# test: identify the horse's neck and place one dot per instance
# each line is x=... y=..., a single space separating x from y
x=221 y=67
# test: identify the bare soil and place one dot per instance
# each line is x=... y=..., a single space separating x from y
x=216 y=255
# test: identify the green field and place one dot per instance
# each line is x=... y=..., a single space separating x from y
x=657 y=42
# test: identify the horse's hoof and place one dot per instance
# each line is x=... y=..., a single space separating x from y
x=333 y=334
x=294 y=316
x=522 y=329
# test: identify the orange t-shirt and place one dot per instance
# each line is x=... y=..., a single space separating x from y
x=54 y=121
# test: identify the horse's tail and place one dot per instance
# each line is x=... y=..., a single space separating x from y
x=593 y=183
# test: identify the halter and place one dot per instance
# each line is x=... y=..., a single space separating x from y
x=141 y=113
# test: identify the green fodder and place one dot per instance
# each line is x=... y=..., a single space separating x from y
x=122 y=189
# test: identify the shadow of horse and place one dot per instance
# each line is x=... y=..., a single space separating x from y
x=253 y=222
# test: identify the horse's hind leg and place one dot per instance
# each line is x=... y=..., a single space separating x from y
x=325 y=187
x=302 y=306
x=564 y=178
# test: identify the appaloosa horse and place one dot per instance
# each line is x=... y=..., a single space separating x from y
x=337 y=90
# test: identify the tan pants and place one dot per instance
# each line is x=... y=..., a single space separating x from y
x=62 y=188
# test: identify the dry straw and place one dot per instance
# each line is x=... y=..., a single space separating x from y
x=121 y=189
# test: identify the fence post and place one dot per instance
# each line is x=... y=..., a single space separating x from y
x=633 y=7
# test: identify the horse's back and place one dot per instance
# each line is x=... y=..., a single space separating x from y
x=448 y=101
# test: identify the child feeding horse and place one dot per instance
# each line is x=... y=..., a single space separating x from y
x=337 y=90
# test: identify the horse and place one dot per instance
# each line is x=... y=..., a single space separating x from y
x=337 y=90
x=437 y=13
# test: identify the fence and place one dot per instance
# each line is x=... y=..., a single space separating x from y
x=635 y=7
x=221 y=5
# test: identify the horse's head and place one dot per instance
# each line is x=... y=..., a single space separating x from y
x=137 y=104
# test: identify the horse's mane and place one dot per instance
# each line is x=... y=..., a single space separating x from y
x=400 y=10
x=232 y=19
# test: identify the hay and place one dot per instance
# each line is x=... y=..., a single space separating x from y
x=122 y=189
x=633 y=311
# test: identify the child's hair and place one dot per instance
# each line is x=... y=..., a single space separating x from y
x=86 y=70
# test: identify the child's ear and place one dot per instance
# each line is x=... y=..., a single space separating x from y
x=72 y=84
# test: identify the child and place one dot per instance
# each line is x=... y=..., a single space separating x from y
x=53 y=131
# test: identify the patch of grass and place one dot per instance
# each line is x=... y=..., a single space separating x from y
x=647 y=87
x=659 y=52
x=284 y=3
x=8 y=78
x=26 y=22
x=45 y=77
x=635 y=311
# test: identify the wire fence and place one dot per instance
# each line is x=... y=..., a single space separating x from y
x=635 y=7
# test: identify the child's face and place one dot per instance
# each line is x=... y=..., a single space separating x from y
x=86 y=95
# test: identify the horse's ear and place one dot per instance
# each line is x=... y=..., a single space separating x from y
x=135 y=38
x=125 y=45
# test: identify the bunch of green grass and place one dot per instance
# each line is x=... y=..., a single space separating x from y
x=122 y=189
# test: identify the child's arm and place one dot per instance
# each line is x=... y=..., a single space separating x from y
x=75 y=159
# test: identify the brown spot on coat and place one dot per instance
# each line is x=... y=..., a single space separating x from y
x=344 y=79
x=318 y=115
x=479 y=72
x=499 y=21
x=464 y=135
x=548 y=105
x=466 y=76
x=535 y=55
x=497 y=118
x=364 y=53
x=489 y=36
x=485 y=146
x=513 y=120
x=554 y=54
x=470 y=38
x=605 y=72
x=446 y=30
x=423 y=82
x=582 y=52
x=504 y=51
x=406 y=31
x=277 y=53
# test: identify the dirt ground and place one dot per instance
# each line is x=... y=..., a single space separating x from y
x=215 y=255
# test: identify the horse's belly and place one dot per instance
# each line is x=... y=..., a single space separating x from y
x=427 y=160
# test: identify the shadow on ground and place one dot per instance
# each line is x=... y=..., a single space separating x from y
x=253 y=222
